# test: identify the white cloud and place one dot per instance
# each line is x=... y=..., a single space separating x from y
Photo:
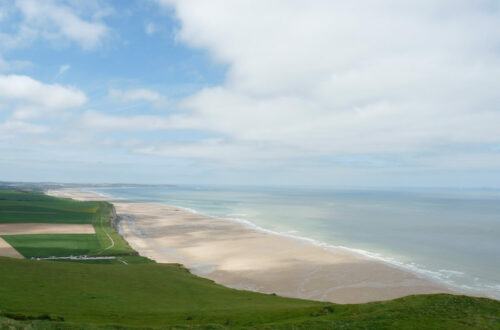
x=12 y=128
x=63 y=69
x=149 y=28
x=25 y=112
x=461 y=160
x=96 y=120
x=217 y=149
x=55 y=21
x=334 y=77
x=139 y=94
x=13 y=65
x=26 y=99
x=30 y=91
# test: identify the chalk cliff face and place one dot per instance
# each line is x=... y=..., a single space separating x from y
x=114 y=219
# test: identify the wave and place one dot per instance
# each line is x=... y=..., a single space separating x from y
x=107 y=196
x=237 y=215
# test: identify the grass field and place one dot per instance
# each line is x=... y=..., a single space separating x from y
x=17 y=207
x=27 y=207
x=110 y=294
x=162 y=295
x=59 y=245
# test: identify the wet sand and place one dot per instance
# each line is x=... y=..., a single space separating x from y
x=241 y=257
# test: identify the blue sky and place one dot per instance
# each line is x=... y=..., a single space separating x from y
x=251 y=92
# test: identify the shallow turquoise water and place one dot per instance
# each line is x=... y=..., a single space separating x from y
x=451 y=235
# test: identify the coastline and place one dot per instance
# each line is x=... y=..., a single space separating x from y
x=241 y=257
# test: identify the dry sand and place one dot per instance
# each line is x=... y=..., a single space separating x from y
x=241 y=257
x=8 y=251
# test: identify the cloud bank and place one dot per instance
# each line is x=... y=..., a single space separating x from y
x=300 y=91
x=30 y=99
x=329 y=78
x=138 y=94
x=33 y=92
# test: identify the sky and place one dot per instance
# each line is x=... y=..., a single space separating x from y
x=275 y=92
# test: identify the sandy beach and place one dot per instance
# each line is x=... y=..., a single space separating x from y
x=241 y=257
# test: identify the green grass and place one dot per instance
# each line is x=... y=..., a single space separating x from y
x=11 y=212
x=111 y=242
x=16 y=195
x=145 y=295
x=58 y=245
x=165 y=295
x=16 y=207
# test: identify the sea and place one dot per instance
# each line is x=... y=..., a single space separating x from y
x=450 y=235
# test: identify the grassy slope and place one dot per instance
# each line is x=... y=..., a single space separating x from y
x=147 y=295
x=160 y=295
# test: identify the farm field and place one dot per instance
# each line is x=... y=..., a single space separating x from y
x=38 y=225
x=25 y=207
x=28 y=228
x=59 y=245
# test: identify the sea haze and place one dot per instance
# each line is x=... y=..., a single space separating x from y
x=450 y=235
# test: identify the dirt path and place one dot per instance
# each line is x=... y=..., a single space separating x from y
x=112 y=243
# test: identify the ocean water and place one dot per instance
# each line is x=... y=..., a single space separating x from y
x=450 y=235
